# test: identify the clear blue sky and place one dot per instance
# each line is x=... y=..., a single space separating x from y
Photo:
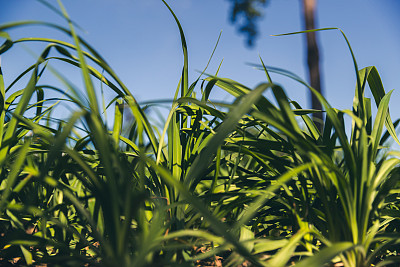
x=141 y=42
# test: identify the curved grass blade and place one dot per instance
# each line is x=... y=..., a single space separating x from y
x=206 y=155
x=326 y=254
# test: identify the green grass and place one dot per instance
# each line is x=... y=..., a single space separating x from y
x=249 y=181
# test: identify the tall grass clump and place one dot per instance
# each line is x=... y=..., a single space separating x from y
x=253 y=182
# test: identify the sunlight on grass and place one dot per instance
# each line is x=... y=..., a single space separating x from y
x=249 y=182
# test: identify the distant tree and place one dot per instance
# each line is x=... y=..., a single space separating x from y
x=250 y=11
x=246 y=13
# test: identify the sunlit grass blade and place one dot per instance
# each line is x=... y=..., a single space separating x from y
x=325 y=255
x=206 y=155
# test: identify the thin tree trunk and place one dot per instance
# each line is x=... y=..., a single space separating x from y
x=313 y=58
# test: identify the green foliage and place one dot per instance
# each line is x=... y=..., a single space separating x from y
x=247 y=13
x=252 y=181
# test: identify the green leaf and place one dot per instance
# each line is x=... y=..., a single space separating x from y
x=326 y=255
x=206 y=155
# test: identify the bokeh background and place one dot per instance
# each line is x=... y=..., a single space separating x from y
x=140 y=40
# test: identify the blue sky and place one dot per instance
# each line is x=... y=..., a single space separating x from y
x=140 y=40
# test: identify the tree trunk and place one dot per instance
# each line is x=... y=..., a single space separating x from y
x=313 y=59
